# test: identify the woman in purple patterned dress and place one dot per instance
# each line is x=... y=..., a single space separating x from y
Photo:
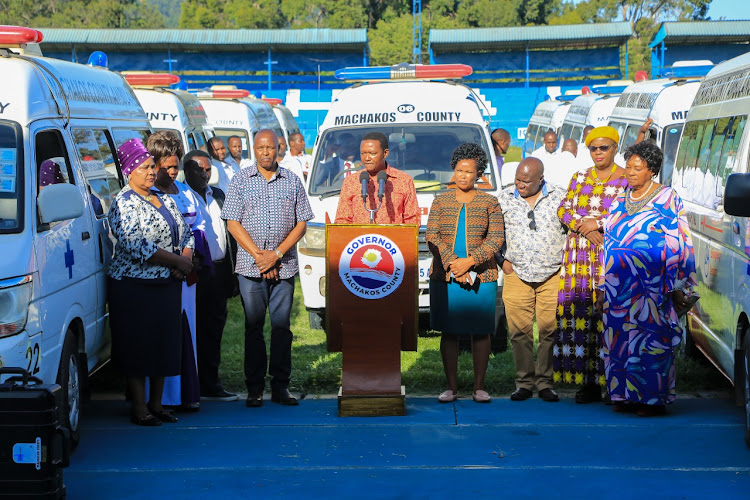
x=577 y=352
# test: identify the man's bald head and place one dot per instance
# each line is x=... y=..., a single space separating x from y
x=550 y=141
x=500 y=141
x=529 y=176
x=571 y=146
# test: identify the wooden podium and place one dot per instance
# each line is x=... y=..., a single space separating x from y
x=371 y=312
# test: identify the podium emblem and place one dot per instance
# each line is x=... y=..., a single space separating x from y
x=371 y=266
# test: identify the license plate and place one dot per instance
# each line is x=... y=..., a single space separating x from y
x=424 y=269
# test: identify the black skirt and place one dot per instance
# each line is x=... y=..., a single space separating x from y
x=146 y=325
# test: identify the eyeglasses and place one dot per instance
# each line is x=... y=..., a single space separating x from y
x=603 y=149
x=532 y=222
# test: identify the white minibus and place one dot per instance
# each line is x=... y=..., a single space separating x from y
x=229 y=113
x=714 y=146
x=172 y=109
x=665 y=101
x=548 y=115
x=60 y=126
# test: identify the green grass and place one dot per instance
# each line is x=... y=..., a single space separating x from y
x=514 y=154
x=316 y=371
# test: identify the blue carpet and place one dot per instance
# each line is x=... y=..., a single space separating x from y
x=504 y=449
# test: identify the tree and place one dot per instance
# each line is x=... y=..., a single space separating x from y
x=339 y=14
x=218 y=14
x=81 y=14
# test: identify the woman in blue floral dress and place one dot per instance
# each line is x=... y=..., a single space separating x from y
x=649 y=271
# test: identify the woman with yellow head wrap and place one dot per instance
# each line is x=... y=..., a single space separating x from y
x=578 y=353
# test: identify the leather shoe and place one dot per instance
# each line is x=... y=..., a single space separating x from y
x=448 y=396
x=549 y=395
x=284 y=397
x=481 y=396
x=521 y=394
x=254 y=400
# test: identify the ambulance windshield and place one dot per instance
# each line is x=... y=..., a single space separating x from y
x=11 y=178
x=422 y=151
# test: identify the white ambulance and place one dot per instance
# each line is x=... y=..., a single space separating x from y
x=425 y=118
x=711 y=175
x=549 y=114
x=665 y=101
x=284 y=116
x=229 y=112
x=172 y=109
x=592 y=108
x=60 y=126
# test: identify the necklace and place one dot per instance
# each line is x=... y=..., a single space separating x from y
x=596 y=177
x=633 y=198
x=634 y=205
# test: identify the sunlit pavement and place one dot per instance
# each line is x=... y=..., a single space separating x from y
x=504 y=449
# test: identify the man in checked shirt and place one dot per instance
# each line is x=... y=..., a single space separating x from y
x=267 y=210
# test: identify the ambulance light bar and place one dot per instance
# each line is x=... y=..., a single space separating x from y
x=273 y=101
x=152 y=79
x=404 y=71
x=18 y=35
x=224 y=94
x=606 y=89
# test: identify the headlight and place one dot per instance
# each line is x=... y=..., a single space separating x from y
x=313 y=243
x=14 y=307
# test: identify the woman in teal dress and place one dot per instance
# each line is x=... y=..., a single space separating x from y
x=464 y=230
x=649 y=271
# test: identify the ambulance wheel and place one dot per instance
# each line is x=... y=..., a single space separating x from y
x=69 y=378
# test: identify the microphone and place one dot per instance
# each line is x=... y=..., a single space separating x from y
x=381 y=177
x=364 y=178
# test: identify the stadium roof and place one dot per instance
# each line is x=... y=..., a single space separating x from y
x=205 y=40
x=702 y=32
x=572 y=36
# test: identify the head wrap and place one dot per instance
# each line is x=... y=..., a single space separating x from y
x=131 y=155
x=605 y=132
x=50 y=173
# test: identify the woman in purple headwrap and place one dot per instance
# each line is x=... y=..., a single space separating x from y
x=165 y=146
x=153 y=255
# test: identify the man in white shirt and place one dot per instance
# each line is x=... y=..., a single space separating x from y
x=584 y=156
x=288 y=161
x=235 y=158
x=297 y=150
x=548 y=149
x=218 y=153
x=556 y=166
x=215 y=283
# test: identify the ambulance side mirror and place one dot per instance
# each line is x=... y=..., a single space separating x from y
x=58 y=202
x=737 y=195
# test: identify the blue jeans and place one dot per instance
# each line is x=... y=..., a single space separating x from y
x=259 y=295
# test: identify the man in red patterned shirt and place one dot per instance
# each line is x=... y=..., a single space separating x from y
x=400 y=200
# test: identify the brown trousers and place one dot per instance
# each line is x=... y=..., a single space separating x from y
x=523 y=301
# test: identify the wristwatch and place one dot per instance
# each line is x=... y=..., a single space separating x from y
x=279 y=253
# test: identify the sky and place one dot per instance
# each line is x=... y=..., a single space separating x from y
x=729 y=9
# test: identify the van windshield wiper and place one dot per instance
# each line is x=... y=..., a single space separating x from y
x=329 y=194
x=431 y=187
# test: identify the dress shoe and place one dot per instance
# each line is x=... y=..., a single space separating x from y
x=284 y=397
x=481 y=396
x=521 y=394
x=549 y=395
x=448 y=396
x=254 y=400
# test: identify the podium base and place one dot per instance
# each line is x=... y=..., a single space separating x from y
x=372 y=405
